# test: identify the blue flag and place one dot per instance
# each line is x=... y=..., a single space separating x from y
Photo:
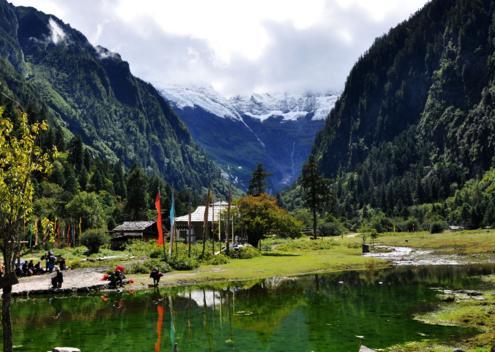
x=172 y=211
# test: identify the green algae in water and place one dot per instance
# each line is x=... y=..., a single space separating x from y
x=314 y=313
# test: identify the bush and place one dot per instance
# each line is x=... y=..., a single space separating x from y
x=93 y=239
x=331 y=229
x=219 y=259
x=183 y=263
x=244 y=252
x=437 y=227
x=146 y=266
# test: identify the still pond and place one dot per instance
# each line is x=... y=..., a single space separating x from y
x=331 y=312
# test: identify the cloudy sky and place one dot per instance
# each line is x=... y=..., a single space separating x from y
x=236 y=46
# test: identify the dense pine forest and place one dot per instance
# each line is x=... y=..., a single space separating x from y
x=410 y=141
x=53 y=72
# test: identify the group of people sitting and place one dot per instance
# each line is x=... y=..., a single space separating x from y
x=30 y=269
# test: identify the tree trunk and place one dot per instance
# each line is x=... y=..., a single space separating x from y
x=314 y=224
x=6 y=322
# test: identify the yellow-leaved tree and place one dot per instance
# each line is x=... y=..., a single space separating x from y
x=20 y=158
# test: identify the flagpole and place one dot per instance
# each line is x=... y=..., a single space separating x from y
x=172 y=225
x=189 y=226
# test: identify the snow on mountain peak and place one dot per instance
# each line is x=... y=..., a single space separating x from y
x=204 y=97
x=284 y=105
x=261 y=106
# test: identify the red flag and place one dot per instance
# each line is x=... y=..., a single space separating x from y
x=158 y=207
x=159 y=327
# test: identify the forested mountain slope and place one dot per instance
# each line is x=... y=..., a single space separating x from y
x=52 y=70
x=276 y=130
x=417 y=117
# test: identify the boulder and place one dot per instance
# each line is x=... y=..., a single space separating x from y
x=365 y=349
x=66 y=349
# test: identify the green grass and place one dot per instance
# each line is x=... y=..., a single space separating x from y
x=468 y=313
x=283 y=258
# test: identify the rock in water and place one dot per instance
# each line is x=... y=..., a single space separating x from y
x=365 y=349
x=66 y=349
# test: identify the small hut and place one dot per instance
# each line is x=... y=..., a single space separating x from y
x=130 y=230
x=216 y=218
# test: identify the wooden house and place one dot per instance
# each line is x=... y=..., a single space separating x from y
x=216 y=221
x=131 y=230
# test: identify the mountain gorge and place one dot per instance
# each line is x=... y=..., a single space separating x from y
x=52 y=70
x=276 y=130
x=416 y=118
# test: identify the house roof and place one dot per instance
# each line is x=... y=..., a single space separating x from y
x=199 y=214
x=133 y=226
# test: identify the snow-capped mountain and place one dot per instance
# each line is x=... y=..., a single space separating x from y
x=276 y=130
x=203 y=97
x=289 y=107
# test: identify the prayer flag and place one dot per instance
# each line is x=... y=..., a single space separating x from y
x=158 y=207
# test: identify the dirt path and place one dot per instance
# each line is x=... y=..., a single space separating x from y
x=73 y=280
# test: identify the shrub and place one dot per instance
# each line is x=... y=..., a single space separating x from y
x=93 y=239
x=146 y=266
x=331 y=229
x=219 y=259
x=437 y=227
x=244 y=252
x=183 y=263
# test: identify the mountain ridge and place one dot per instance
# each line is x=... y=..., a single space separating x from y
x=415 y=120
x=238 y=132
x=53 y=69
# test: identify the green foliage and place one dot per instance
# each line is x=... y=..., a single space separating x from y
x=244 y=252
x=315 y=188
x=257 y=184
x=182 y=262
x=331 y=229
x=219 y=259
x=437 y=227
x=137 y=197
x=260 y=216
x=96 y=98
x=93 y=239
x=146 y=266
x=415 y=120
x=86 y=206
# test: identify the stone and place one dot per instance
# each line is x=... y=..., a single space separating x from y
x=365 y=349
x=66 y=349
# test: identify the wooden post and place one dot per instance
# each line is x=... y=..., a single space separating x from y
x=189 y=229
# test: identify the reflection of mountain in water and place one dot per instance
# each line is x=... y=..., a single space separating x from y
x=318 y=312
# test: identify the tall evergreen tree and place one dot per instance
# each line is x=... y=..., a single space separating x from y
x=119 y=180
x=316 y=189
x=257 y=184
x=76 y=155
x=137 y=194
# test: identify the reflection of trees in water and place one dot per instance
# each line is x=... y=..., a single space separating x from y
x=308 y=313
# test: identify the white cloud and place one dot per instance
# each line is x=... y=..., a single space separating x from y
x=57 y=33
x=235 y=46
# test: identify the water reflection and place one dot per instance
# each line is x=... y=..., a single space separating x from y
x=318 y=312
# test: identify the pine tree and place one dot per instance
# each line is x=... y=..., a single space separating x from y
x=119 y=180
x=316 y=189
x=137 y=194
x=76 y=156
x=257 y=184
